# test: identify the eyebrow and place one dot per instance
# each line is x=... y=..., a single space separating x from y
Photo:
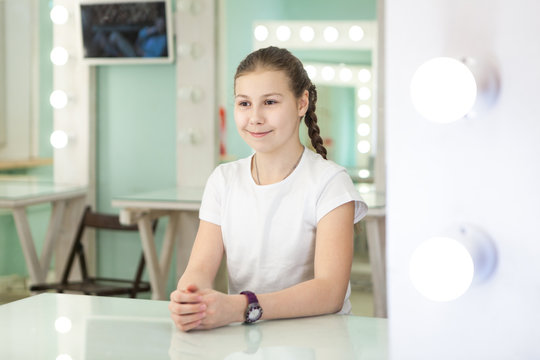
x=263 y=95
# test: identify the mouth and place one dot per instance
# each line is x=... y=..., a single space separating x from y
x=259 y=134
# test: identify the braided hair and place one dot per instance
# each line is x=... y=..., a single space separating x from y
x=279 y=59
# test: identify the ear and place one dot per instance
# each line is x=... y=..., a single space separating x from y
x=303 y=103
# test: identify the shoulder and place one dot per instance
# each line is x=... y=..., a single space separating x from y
x=320 y=168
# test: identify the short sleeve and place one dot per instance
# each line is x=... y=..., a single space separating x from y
x=212 y=198
x=338 y=190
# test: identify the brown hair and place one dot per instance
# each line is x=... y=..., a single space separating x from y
x=278 y=59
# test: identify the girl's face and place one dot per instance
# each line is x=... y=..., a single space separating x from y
x=266 y=112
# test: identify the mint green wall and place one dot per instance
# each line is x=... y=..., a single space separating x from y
x=136 y=149
x=240 y=15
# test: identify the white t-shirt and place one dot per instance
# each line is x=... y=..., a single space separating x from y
x=269 y=230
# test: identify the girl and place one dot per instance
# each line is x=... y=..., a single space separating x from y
x=284 y=216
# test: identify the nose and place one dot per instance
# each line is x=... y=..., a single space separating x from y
x=256 y=117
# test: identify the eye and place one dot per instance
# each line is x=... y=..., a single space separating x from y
x=270 y=102
x=243 y=103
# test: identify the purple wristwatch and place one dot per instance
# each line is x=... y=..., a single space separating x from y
x=254 y=311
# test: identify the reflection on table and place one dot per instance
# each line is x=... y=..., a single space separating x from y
x=47 y=326
x=67 y=201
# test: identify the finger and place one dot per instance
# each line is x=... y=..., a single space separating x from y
x=192 y=288
x=188 y=322
x=185 y=297
x=183 y=309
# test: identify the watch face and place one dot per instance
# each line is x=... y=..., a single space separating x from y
x=253 y=313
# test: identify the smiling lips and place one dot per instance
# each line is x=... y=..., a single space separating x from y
x=259 y=134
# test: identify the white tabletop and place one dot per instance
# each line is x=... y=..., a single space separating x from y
x=64 y=327
x=23 y=191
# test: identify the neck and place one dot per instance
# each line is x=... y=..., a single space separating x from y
x=268 y=169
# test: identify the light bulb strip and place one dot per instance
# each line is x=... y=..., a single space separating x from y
x=314 y=34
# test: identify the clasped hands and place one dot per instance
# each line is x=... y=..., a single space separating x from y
x=192 y=308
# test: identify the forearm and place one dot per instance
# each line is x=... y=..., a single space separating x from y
x=313 y=297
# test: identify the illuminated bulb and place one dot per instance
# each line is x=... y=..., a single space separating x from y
x=58 y=139
x=260 y=33
x=63 y=357
x=330 y=34
x=283 y=33
x=364 y=188
x=356 y=33
x=364 y=75
x=363 y=129
x=58 y=99
x=363 y=146
x=363 y=174
x=443 y=90
x=59 y=14
x=311 y=71
x=444 y=267
x=59 y=56
x=62 y=324
x=345 y=74
x=328 y=73
x=364 y=93
x=364 y=111
x=307 y=33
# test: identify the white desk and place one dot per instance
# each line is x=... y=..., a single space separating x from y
x=69 y=327
x=181 y=205
x=67 y=201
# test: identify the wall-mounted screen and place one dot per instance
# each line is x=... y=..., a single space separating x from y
x=125 y=31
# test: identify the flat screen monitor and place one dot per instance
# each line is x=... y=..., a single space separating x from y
x=125 y=31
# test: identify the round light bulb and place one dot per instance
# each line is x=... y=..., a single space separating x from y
x=63 y=357
x=260 y=33
x=58 y=99
x=330 y=34
x=283 y=33
x=364 y=111
x=328 y=73
x=443 y=90
x=363 y=146
x=59 y=14
x=364 y=75
x=441 y=269
x=356 y=33
x=363 y=129
x=444 y=267
x=363 y=174
x=364 y=93
x=59 y=56
x=307 y=33
x=59 y=139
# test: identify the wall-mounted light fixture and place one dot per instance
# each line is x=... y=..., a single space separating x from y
x=58 y=99
x=59 y=139
x=444 y=267
x=445 y=89
x=59 y=56
x=315 y=34
x=59 y=14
